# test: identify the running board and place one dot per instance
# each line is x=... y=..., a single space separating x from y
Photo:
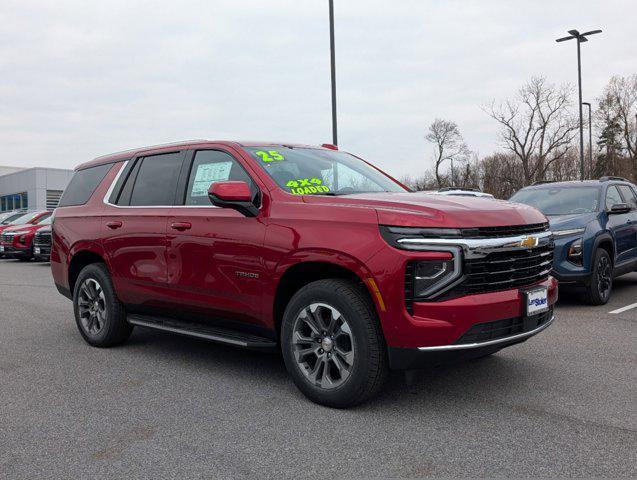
x=198 y=330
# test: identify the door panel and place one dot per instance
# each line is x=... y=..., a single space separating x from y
x=620 y=225
x=134 y=228
x=631 y=199
x=136 y=251
x=215 y=264
x=215 y=267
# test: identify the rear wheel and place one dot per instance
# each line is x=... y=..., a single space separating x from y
x=599 y=290
x=100 y=317
x=332 y=344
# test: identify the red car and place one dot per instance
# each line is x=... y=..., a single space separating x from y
x=305 y=249
x=16 y=239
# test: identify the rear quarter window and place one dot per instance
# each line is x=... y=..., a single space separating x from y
x=83 y=185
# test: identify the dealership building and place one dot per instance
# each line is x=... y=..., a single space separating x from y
x=32 y=188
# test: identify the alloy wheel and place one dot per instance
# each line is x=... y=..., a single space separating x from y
x=604 y=277
x=92 y=307
x=323 y=345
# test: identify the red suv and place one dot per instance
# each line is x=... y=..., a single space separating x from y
x=16 y=239
x=305 y=249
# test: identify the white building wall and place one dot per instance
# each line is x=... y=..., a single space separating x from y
x=35 y=181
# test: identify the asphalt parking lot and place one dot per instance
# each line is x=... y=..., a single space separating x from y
x=562 y=404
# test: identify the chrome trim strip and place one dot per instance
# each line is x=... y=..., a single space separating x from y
x=465 y=346
x=478 y=243
x=189 y=333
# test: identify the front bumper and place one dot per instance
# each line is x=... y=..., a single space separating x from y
x=418 y=357
x=42 y=252
x=11 y=250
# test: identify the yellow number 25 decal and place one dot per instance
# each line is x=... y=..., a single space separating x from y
x=269 y=156
x=307 y=186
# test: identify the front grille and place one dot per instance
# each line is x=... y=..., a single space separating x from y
x=483 y=332
x=42 y=239
x=507 y=269
x=504 y=231
x=7 y=237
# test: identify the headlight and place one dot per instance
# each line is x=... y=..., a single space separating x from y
x=430 y=277
x=570 y=231
x=22 y=238
x=576 y=252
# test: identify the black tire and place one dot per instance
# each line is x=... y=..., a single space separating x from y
x=600 y=288
x=369 y=366
x=114 y=329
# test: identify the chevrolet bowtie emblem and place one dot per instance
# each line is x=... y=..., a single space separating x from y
x=529 y=242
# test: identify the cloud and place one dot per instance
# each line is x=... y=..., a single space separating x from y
x=80 y=79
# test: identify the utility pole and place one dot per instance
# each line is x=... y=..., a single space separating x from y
x=580 y=37
x=590 y=140
x=333 y=69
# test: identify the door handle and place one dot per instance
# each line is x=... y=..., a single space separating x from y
x=181 y=226
x=114 y=225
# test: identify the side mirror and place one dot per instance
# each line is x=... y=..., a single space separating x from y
x=619 y=208
x=235 y=195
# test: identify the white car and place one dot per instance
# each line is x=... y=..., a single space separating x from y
x=464 y=192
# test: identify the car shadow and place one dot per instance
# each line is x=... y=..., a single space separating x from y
x=266 y=371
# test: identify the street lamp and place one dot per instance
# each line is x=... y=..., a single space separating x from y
x=333 y=68
x=590 y=140
x=581 y=37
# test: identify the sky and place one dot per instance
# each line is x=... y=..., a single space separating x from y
x=79 y=79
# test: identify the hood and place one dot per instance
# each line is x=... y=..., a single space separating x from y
x=423 y=210
x=22 y=228
x=565 y=222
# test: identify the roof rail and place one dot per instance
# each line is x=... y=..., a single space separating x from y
x=542 y=182
x=606 y=179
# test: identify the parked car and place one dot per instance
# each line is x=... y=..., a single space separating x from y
x=42 y=243
x=595 y=227
x=17 y=239
x=6 y=218
x=466 y=192
x=305 y=249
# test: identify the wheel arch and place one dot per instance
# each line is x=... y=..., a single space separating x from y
x=606 y=242
x=299 y=274
x=79 y=260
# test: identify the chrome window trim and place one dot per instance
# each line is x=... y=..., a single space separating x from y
x=109 y=192
x=466 y=346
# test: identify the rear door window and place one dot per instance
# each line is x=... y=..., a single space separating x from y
x=156 y=180
x=208 y=167
x=83 y=184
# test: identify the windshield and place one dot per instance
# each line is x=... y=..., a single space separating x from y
x=26 y=218
x=560 y=200
x=46 y=220
x=310 y=171
x=7 y=218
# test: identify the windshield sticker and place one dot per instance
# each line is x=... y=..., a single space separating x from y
x=269 y=156
x=208 y=173
x=306 y=186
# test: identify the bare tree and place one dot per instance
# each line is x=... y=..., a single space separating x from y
x=536 y=126
x=448 y=143
x=616 y=116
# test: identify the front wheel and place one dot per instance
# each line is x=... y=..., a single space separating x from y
x=332 y=344
x=598 y=293
x=100 y=317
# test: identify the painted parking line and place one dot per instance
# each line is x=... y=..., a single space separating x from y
x=623 y=309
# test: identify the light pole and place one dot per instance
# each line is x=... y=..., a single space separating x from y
x=590 y=140
x=333 y=69
x=580 y=37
